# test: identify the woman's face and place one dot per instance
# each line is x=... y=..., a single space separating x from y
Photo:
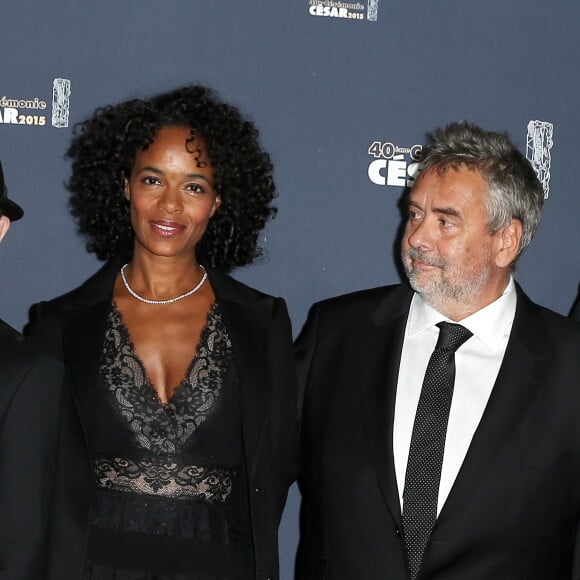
x=171 y=193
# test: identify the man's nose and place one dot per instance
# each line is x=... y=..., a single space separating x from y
x=420 y=234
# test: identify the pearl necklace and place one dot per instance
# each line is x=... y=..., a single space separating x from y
x=170 y=300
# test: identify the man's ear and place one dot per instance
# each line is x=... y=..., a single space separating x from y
x=4 y=226
x=508 y=241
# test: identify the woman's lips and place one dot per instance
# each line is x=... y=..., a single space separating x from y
x=165 y=228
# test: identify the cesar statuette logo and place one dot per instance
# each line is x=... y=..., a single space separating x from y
x=538 y=146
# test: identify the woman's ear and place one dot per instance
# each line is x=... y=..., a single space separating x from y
x=126 y=189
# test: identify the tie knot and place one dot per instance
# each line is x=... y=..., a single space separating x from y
x=452 y=336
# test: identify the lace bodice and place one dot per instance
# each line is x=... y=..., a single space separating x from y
x=161 y=430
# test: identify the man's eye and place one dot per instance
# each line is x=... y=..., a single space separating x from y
x=150 y=180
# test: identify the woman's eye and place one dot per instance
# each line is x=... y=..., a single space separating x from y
x=195 y=188
x=150 y=180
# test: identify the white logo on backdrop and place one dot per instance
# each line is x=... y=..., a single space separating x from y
x=11 y=111
x=60 y=102
x=372 y=9
x=340 y=9
x=538 y=145
x=393 y=165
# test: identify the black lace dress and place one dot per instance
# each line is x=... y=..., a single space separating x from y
x=169 y=503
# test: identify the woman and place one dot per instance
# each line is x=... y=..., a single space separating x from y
x=178 y=424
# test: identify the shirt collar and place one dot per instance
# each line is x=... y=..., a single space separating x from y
x=490 y=324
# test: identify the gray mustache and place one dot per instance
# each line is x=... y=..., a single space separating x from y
x=421 y=256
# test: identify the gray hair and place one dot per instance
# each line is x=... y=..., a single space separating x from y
x=514 y=190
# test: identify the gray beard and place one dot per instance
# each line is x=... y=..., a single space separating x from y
x=443 y=294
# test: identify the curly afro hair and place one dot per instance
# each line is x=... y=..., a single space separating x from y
x=103 y=151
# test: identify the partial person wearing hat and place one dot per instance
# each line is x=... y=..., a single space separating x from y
x=575 y=312
x=9 y=210
x=30 y=385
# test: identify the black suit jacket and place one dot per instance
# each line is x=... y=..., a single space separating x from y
x=575 y=311
x=29 y=403
x=259 y=329
x=514 y=508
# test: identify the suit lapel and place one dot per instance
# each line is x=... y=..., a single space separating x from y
x=14 y=361
x=515 y=389
x=380 y=354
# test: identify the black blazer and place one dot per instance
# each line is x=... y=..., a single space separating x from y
x=29 y=403
x=514 y=508
x=260 y=333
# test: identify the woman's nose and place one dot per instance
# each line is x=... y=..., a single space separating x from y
x=170 y=201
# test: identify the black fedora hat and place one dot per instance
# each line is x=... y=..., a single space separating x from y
x=7 y=207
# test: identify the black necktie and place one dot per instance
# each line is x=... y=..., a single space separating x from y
x=428 y=443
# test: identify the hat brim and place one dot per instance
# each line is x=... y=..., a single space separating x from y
x=10 y=209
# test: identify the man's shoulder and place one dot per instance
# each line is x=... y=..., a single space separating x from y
x=14 y=346
x=539 y=323
x=9 y=337
x=7 y=332
x=367 y=299
x=31 y=379
x=374 y=306
x=559 y=328
x=17 y=352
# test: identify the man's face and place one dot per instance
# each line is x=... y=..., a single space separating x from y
x=4 y=225
x=447 y=251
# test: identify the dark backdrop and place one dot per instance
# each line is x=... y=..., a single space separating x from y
x=340 y=101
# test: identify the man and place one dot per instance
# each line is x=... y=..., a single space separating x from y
x=438 y=461
x=575 y=312
x=29 y=397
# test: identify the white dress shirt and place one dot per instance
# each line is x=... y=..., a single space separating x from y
x=477 y=364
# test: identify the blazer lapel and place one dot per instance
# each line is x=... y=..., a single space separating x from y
x=84 y=331
x=247 y=317
x=380 y=355
x=83 y=344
